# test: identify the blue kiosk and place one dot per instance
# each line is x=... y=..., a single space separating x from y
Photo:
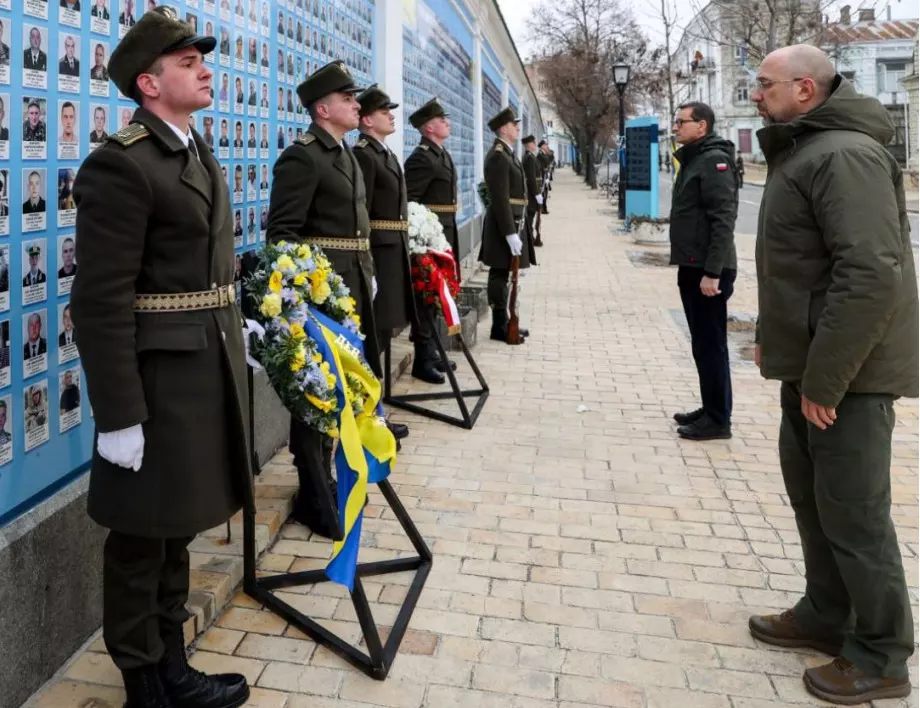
x=641 y=167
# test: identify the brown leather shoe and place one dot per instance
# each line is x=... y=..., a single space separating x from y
x=843 y=683
x=784 y=630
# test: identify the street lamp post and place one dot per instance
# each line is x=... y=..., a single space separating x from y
x=621 y=79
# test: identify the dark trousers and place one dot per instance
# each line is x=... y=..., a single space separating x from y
x=314 y=504
x=497 y=288
x=422 y=332
x=145 y=588
x=707 y=317
x=838 y=482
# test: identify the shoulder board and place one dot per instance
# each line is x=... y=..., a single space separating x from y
x=362 y=143
x=306 y=139
x=130 y=134
x=423 y=147
x=498 y=147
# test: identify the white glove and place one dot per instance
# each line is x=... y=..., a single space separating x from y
x=124 y=448
x=373 y=287
x=515 y=244
x=252 y=327
x=539 y=199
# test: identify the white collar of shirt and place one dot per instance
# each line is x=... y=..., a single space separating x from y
x=511 y=149
x=184 y=136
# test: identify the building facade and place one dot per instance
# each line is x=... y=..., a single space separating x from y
x=555 y=132
x=875 y=54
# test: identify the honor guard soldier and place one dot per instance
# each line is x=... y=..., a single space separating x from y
x=318 y=198
x=162 y=347
x=502 y=225
x=431 y=179
x=548 y=160
x=394 y=306
x=533 y=175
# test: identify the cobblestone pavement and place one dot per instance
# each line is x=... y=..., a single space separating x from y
x=584 y=555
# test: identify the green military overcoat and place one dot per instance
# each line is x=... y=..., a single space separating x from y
x=505 y=179
x=394 y=306
x=318 y=192
x=152 y=219
x=533 y=176
x=431 y=178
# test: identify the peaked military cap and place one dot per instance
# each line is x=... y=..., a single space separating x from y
x=373 y=98
x=529 y=139
x=332 y=78
x=158 y=32
x=504 y=116
x=34 y=251
x=432 y=109
x=541 y=143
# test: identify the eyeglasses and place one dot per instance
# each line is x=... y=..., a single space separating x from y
x=679 y=122
x=766 y=84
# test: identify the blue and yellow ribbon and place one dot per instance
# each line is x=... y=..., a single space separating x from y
x=366 y=447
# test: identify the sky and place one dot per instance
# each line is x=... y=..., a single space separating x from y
x=648 y=15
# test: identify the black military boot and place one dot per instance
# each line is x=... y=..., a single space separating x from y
x=423 y=364
x=499 y=325
x=442 y=367
x=187 y=688
x=144 y=688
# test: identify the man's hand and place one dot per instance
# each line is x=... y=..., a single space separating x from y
x=515 y=244
x=124 y=448
x=249 y=328
x=710 y=286
x=820 y=416
x=539 y=199
x=373 y=287
x=757 y=355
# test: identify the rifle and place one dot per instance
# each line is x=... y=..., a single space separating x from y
x=513 y=335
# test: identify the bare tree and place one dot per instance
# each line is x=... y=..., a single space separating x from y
x=760 y=26
x=578 y=42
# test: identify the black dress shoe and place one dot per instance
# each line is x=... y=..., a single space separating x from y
x=705 y=429
x=426 y=371
x=188 y=688
x=524 y=332
x=499 y=335
x=439 y=365
x=688 y=418
x=399 y=430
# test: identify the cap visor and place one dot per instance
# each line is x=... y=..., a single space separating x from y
x=205 y=45
x=391 y=106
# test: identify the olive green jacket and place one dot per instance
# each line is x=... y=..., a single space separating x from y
x=835 y=269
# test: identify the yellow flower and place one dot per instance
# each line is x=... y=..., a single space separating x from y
x=322 y=262
x=281 y=244
x=300 y=358
x=285 y=262
x=275 y=282
x=356 y=318
x=333 y=432
x=297 y=332
x=303 y=251
x=321 y=293
x=347 y=304
x=317 y=357
x=271 y=305
x=301 y=278
x=324 y=406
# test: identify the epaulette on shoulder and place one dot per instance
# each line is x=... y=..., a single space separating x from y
x=306 y=139
x=362 y=143
x=423 y=147
x=498 y=147
x=130 y=134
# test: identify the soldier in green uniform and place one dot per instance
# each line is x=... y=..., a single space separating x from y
x=394 y=306
x=533 y=175
x=318 y=198
x=548 y=161
x=502 y=228
x=162 y=347
x=431 y=179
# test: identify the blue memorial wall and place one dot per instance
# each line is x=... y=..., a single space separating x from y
x=57 y=106
x=437 y=61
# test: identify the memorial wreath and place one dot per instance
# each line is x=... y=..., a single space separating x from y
x=434 y=266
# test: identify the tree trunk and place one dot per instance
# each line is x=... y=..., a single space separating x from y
x=576 y=165
x=590 y=172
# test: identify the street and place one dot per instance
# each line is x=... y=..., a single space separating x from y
x=749 y=207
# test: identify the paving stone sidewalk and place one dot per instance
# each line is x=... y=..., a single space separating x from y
x=584 y=555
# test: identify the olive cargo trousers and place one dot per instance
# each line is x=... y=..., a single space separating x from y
x=839 y=485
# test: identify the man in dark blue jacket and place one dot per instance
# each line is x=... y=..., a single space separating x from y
x=704 y=207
